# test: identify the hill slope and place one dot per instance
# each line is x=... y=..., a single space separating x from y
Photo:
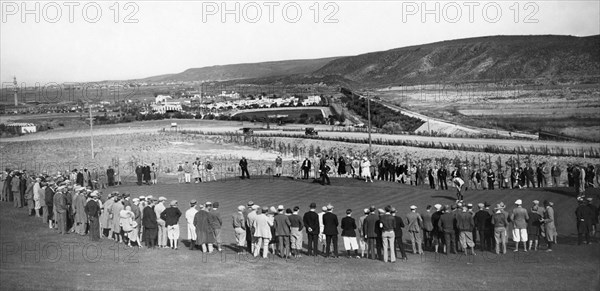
x=483 y=58
x=244 y=71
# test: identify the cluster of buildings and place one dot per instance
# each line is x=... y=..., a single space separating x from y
x=229 y=101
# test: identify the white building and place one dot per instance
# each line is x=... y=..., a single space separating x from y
x=162 y=98
x=23 y=127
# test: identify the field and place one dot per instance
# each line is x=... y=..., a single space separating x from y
x=505 y=107
x=73 y=262
x=292 y=114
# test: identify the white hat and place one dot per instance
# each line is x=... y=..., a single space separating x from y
x=280 y=207
x=241 y=208
x=518 y=202
x=329 y=207
x=324 y=208
x=438 y=206
x=413 y=207
x=255 y=207
x=162 y=198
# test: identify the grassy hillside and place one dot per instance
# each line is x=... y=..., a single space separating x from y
x=243 y=71
x=483 y=58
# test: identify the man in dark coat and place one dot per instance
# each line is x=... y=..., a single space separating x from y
x=442 y=176
x=370 y=231
x=330 y=224
x=79 y=180
x=150 y=224
x=311 y=222
x=481 y=218
x=447 y=224
x=60 y=204
x=110 y=174
x=244 y=168
x=399 y=243
x=146 y=174
x=204 y=233
x=585 y=217
x=139 y=173
x=92 y=209
x=529 y=173
x=305 y=168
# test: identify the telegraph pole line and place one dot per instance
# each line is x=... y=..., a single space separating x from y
x=91 y=129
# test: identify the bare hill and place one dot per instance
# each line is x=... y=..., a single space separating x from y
x=244 y=71
x=483 y=58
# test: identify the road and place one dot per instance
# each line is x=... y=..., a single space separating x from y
x=436 y=124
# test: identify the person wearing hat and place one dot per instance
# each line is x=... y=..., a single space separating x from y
x=105 y=224
x=60 y=206
x=254 y=211
x=189 y=217
x=414 y=223
x=162 y=227
x=584 y=217
x=244 y=168
x=481 y=220
x=114 y=211
x=247 y=226
x=465 y=224
x=281 y=225
x=437 y=235
x=92 y=210
x=500 y=222
x=370 y=233
x=171 y=217
x=239 y=228
x=80 y=216
x=427 y=227
x=534 y=228
x=204 y=234
x=215 y=221
x=446 y=225
x=306 y=165
x=362 y=242
x=150 y=224
x=311 y=222
x=262 y=231
x=296 y=226
x=387 y=224
x=549 y=225
x=330 y=224
x=519 y=217
x=348 y=226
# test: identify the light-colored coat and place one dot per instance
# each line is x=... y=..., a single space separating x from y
x=262 y=226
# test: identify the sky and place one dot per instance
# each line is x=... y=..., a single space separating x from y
x=72 y=41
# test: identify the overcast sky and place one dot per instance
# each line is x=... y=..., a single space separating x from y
x=71 y=42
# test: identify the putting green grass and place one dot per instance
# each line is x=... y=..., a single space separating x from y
x=35 y=257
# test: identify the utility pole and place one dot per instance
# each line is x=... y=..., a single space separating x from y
x=16 y=91
x=91 y=129
x=369 y=116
